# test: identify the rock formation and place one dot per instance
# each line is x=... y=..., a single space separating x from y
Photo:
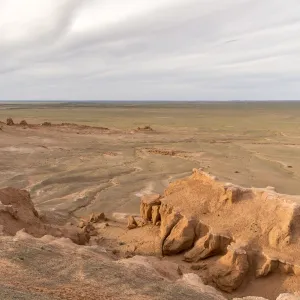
x=181 y=237
x=210 y=245
x=230 y=235
x=203 y=217
x=131 y=223
x=17 y=212
x=148 y=202
x=230 y=270
x=10 y=122
x=47 y=124
x=23 y=123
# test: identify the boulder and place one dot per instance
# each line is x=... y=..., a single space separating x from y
x=131 y=224
x=81 y=224
x=265 y=265
x=296 y=270
x=23 y=123
x=80 y=237
x=181 y=237
x=97 y=217
x=209 y=245
x=147 y=202
x=169 y=219
x=10 y=122
x=202 y=229
x=230 y=270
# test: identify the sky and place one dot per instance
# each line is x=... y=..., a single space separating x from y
x=149 y=50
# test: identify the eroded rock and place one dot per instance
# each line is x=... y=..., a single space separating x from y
x=23 y=123
x=97 y=217
x=147 y=202
x=17 y=212
x=234 y=194
x=280 y=236
x=169 y=219
x=181 y=238
x=155 y=214
x=230 y=270
x=131 y=224
x=209 y=245
x=10 y=122
x=265 y=266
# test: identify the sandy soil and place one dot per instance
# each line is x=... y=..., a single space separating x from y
x=51 y=268
x=73 y=170
x=99 y=160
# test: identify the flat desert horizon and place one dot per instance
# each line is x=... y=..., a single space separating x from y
x=82 y=168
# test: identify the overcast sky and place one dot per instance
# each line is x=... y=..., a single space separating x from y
x=149 y=49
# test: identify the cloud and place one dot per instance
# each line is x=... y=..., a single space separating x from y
x=149 y=49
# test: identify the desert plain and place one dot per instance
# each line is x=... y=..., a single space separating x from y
x=76 y=159
x=72 y=169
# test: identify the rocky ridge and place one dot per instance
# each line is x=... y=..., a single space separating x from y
x=253 y=232
x=17 y=212
x=220 y=236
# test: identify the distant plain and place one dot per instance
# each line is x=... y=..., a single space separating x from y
x=73 y=170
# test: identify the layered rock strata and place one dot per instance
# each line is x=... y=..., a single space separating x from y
x=17 y=212
x=252 y=232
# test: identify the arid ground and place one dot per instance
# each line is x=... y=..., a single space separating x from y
x=71 y=169
x=80 y=159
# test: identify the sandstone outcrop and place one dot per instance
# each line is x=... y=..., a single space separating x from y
x=169 y=219
x=23 y=123
x=10 y=122
x=155 y=214
x=147 y=204
x=203 y=217
x=230 y=270
x=210 y=245
x=131 y=224
x=17 y=212
x=97 y=217
x=181 y=237
x=265 y=265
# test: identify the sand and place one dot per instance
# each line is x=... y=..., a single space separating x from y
x=77 y=169
x=103 y=158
